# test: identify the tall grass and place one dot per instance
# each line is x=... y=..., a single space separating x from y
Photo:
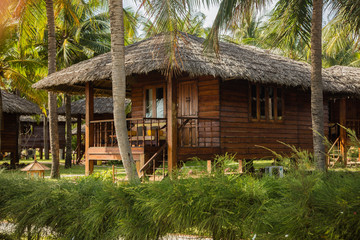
x=302 y=205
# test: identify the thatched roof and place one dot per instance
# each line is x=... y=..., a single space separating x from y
x=16 y=105
x=348 y=75
x=33 y=119
x=235 y=61
x=102 y=105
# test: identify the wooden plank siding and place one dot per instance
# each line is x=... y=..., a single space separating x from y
x=9 y=133
x=36 y=138
x=240 y=134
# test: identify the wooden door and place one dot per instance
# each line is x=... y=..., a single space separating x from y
x=188 y=113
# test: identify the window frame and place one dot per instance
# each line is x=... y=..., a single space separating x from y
x=275 y=96
x=154 y=87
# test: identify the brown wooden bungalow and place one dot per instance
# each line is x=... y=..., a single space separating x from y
x=209 y=106
x=13 y=107
x=32 y=133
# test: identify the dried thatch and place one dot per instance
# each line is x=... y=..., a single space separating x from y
x=37 y=119
x=348 y=75
x=235 y=61
x=16 y=105
x=102 y=105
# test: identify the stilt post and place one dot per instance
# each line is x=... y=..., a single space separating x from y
x=78 y=138
x=89 y=128
x=342 y=130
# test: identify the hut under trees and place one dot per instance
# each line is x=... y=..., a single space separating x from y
x=13 y=107
x=208 y=105
x=32 y=134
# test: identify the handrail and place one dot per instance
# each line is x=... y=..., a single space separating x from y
x=128 y=119
x=200 y=118
x=334 y=144
x=153 y=157
x=184 y=124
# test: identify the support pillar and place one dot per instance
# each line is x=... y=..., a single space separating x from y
x=78 y=138
x=16 y=153
x=343 y=136
x=172 y=131
x=89 y=128
x=46 y=137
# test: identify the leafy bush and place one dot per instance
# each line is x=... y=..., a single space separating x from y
x=302 y=205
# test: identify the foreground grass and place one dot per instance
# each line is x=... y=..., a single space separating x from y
x=301 y=205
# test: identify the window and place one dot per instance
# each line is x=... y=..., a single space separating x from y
x=154 y=102
x=266 y=103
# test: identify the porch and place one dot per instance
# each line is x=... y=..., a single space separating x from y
x=148 y=140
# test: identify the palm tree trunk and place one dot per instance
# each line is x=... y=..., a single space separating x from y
x=46 y=137
x=1 y=121
x=119 y=88
x=317 y=102
x=53 y=118
x=68 y=155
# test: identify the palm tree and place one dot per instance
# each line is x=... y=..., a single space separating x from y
x=340 y=43
x=16 y=67
x=250 y=31
x=192 y=23
x=53 y=117
x=119 y=88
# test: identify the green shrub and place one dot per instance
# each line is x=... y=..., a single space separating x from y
x=302 y=205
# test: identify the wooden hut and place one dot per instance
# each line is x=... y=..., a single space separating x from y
x=13 y=107
x=344 y=109
x=244 y=98
x=32 y=133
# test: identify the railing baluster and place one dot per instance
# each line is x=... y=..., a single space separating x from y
x=144 y=131
x=106 y=134
x=131 y=132
x=95 y=135
x=100 y=135
x=112 y=133
x=158 y=133
x=151 y=141
x=137 y=134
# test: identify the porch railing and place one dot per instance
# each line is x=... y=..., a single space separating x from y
x=199 y=132
x=141 y=132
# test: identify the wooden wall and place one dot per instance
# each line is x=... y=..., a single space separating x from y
x=240 y=135
x=208 y=107
x=236 y=132
x=36 y=139
x=9 y=133
x=137 y=92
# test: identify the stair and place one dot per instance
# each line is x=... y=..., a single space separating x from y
x=155 y=165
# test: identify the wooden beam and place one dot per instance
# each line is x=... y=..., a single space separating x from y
x=342 y=130
x=89 y=129
x=171 y=114
x=78 y=138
